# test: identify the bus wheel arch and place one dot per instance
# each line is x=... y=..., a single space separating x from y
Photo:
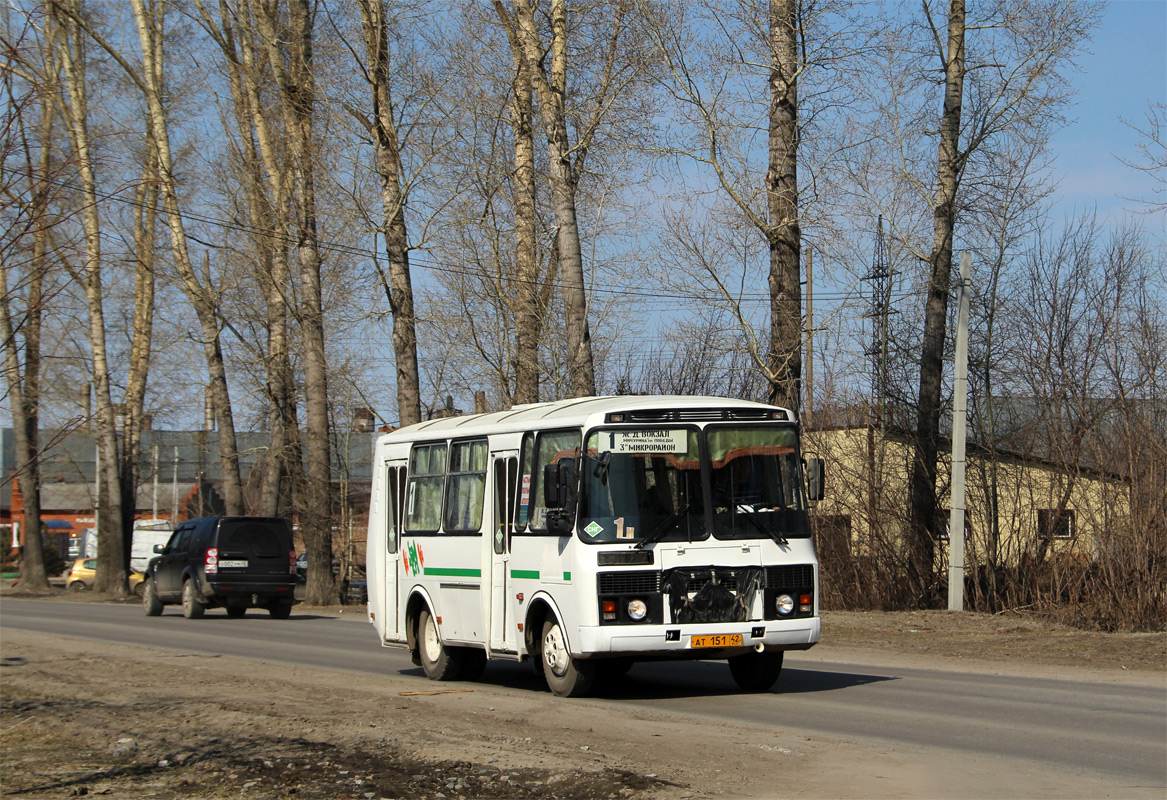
x=547 y=642
x=418 y=602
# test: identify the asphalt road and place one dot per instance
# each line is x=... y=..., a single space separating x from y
x=1109 y=730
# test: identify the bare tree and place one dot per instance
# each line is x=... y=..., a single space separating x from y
x=27 y=177
x=74 y=105
x=382 y=127
x=288 y=39
x=528 y=305
x=266 y=186
x=548 y=68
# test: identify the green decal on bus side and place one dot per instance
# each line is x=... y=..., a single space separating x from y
x=531 y=574
x=446 y=572
x=567 y=576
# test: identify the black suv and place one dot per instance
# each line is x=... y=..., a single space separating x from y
x=233 y=562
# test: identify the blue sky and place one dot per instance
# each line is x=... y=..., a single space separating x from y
x=1126 y=69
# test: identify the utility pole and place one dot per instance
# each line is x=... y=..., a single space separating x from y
x=959 y=413
x=809 y=335
x=154 y=510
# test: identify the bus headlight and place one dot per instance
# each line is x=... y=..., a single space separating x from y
x=783 y=604
x=637 y=609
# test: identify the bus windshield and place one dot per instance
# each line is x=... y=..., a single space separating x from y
x=756 y=483
x=642 y=484
x=646 y=485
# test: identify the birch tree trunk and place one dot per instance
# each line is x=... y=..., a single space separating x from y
x=24 y=383
x=551 y=88
x=268 y=207
x=111 y=554
x=293 y=73
x=526 y=304
x=383 y=129
x=924 y=517
x=783 y=233
x=197 y=290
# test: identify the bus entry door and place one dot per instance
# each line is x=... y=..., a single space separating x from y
x=501 y=630
x=390 y=577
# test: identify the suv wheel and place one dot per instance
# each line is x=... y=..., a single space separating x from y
x=192 y=607
x=280 y=610
x=150 y=601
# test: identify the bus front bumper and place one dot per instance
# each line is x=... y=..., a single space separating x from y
x=696 y=640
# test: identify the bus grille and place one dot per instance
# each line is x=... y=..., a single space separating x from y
x=790 y=576
x=628 y=582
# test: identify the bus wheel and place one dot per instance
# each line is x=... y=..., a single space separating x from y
x=440 y=663
x=756 y=672
x=566 y=676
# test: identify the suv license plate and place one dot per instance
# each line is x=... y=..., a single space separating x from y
x=716 y=640
x=243 y=563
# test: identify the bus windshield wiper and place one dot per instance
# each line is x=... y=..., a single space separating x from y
x=662 y=528
x=777 y=537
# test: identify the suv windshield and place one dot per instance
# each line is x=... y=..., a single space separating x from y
x=642 y=484
x=756 y=483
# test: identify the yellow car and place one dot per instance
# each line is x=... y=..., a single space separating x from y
x=83 y=574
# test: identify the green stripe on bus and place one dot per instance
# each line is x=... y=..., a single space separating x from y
x=453 y=573
x=532 y=574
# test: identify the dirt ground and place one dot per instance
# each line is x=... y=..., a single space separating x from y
x=117 y=723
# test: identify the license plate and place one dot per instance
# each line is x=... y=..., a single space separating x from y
x=716 y=640
x=243 y=563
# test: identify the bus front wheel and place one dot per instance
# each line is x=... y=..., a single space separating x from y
x=566 y=676
x=440 y=663
x=756 y=672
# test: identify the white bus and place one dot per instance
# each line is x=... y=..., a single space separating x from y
x=591 y=533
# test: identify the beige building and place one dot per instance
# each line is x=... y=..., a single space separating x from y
x=1020 y=509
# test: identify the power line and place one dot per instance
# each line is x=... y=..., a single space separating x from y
x=446 y=268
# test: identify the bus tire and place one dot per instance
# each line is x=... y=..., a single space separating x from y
x=756 y=672
x=565 y=676
x=440 y=663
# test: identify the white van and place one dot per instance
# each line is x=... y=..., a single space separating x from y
x=147 y=533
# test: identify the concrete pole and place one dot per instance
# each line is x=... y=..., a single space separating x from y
x=959 y=414
x=154 y=511
x=809 y=336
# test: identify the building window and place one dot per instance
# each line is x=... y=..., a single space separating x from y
x=1054 y=524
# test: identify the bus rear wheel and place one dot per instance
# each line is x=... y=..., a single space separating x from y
x=566 y=676
x=440 y=663
x=756 y=672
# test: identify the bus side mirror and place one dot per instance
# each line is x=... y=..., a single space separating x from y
x=560 y=482
x=815 y=474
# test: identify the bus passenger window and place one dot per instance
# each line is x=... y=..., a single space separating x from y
x=466 y=489
x=552 y=447
x=391 y=512
x=523 y=509
x=423 y=501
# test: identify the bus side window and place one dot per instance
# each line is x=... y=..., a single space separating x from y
x=553 y=446
x=466 y=488
x=423 y=500
x=505 y=491
x=523 y=507
x=391 y=510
